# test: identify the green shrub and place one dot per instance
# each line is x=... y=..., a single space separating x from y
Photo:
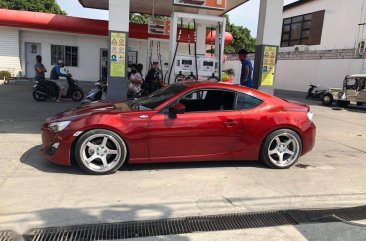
x=5 y=74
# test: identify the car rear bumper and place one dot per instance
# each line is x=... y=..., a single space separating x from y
x=56 y=146
x=309 y=138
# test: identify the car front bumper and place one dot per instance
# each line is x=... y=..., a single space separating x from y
x=56 y=147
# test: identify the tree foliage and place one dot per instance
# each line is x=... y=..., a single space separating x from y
x=44 y=6
x=242 y=38
x=144 y=18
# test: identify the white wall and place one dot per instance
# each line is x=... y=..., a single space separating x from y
x=89 y=51
x=9 y=51
x=340 y=22
x=297 y=75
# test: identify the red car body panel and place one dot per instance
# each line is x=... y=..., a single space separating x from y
x=200 y=136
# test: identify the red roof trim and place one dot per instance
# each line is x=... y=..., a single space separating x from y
x=60 y=23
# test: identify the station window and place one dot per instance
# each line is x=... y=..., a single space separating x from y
x=68 y=54
x=296 y=30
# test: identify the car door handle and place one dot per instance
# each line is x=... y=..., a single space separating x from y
x=143 y=117
x=230 y=123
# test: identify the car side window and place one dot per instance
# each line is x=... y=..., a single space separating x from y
x=246 y=102
x=208 y=100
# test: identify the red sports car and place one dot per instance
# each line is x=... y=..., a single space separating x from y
x=183 y=122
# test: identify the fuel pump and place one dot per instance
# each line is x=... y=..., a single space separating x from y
x=196 y=64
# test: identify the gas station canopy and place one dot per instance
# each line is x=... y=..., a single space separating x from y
x=162 y=7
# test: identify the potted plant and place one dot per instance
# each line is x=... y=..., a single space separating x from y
x=227 y=76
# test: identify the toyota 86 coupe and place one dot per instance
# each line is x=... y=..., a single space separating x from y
x=184 y=122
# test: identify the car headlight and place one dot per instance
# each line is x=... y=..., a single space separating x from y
x=310 y=115
x=59 y=126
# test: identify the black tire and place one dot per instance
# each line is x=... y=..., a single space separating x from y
x=327 y=99
x=268 y=144
x=342 y=103
x=213 y=79
x=359 y=104
x=179 y=78
x=96 y=137
x=77 y=95
x=38 y=97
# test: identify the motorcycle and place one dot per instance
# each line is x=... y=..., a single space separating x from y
x=314 y=93
x=97 y=92
x=46 y=89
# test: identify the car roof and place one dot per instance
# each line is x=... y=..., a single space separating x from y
x=357 y=76
x=228 y=86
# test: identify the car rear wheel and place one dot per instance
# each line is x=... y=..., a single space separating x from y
x=281 y=149
x=100 y=152
x=327 y=99
x=77 y=95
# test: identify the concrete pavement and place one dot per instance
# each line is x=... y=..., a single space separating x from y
x=35 y=193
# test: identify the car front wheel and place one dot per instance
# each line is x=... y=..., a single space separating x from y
x=281 y=149
x=100 y=152
x=327 y=99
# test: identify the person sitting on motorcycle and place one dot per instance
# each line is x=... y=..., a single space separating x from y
x=136 y=81
x=55 y=76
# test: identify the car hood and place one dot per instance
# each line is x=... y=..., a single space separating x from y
x=335 y=89
x=89 y=109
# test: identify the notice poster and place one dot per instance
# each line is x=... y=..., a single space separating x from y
x=210 y=4
x=269 y=64
x=159 y=27
x=118 y=55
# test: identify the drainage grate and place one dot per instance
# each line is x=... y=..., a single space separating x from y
x=195 y=224
x=6 y=236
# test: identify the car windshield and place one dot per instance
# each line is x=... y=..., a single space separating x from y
x=158 y=98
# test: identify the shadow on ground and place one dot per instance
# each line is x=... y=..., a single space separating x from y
x=33 y=159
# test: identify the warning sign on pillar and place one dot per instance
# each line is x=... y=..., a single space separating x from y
x=269 y=65
x=118 y=55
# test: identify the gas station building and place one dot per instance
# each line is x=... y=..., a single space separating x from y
x=205 y=13
x=95 y=47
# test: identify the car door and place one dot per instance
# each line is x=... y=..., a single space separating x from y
x=209 y=127
x=351 y=89
x=361 y=97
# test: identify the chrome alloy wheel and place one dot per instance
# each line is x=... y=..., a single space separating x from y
x=284 y=150
x=101 y=152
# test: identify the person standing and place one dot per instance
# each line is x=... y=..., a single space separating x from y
x=39 y=69
x=246 y=69
x=55 y=76
x=136 y=80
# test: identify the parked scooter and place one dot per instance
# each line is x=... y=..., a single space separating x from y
x=314 y=93
x=46 y=89
x=97 y=92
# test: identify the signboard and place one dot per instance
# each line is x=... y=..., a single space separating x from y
x=210 y=4
x=159 y=27
x=118 y=55
x=268 y=66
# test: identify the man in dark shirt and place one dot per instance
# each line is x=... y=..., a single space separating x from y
x=246 y=69
x=39 y=69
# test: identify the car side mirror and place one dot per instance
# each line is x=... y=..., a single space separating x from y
x=176 y=109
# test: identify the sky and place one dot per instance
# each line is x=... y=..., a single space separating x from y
x=245 y=15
